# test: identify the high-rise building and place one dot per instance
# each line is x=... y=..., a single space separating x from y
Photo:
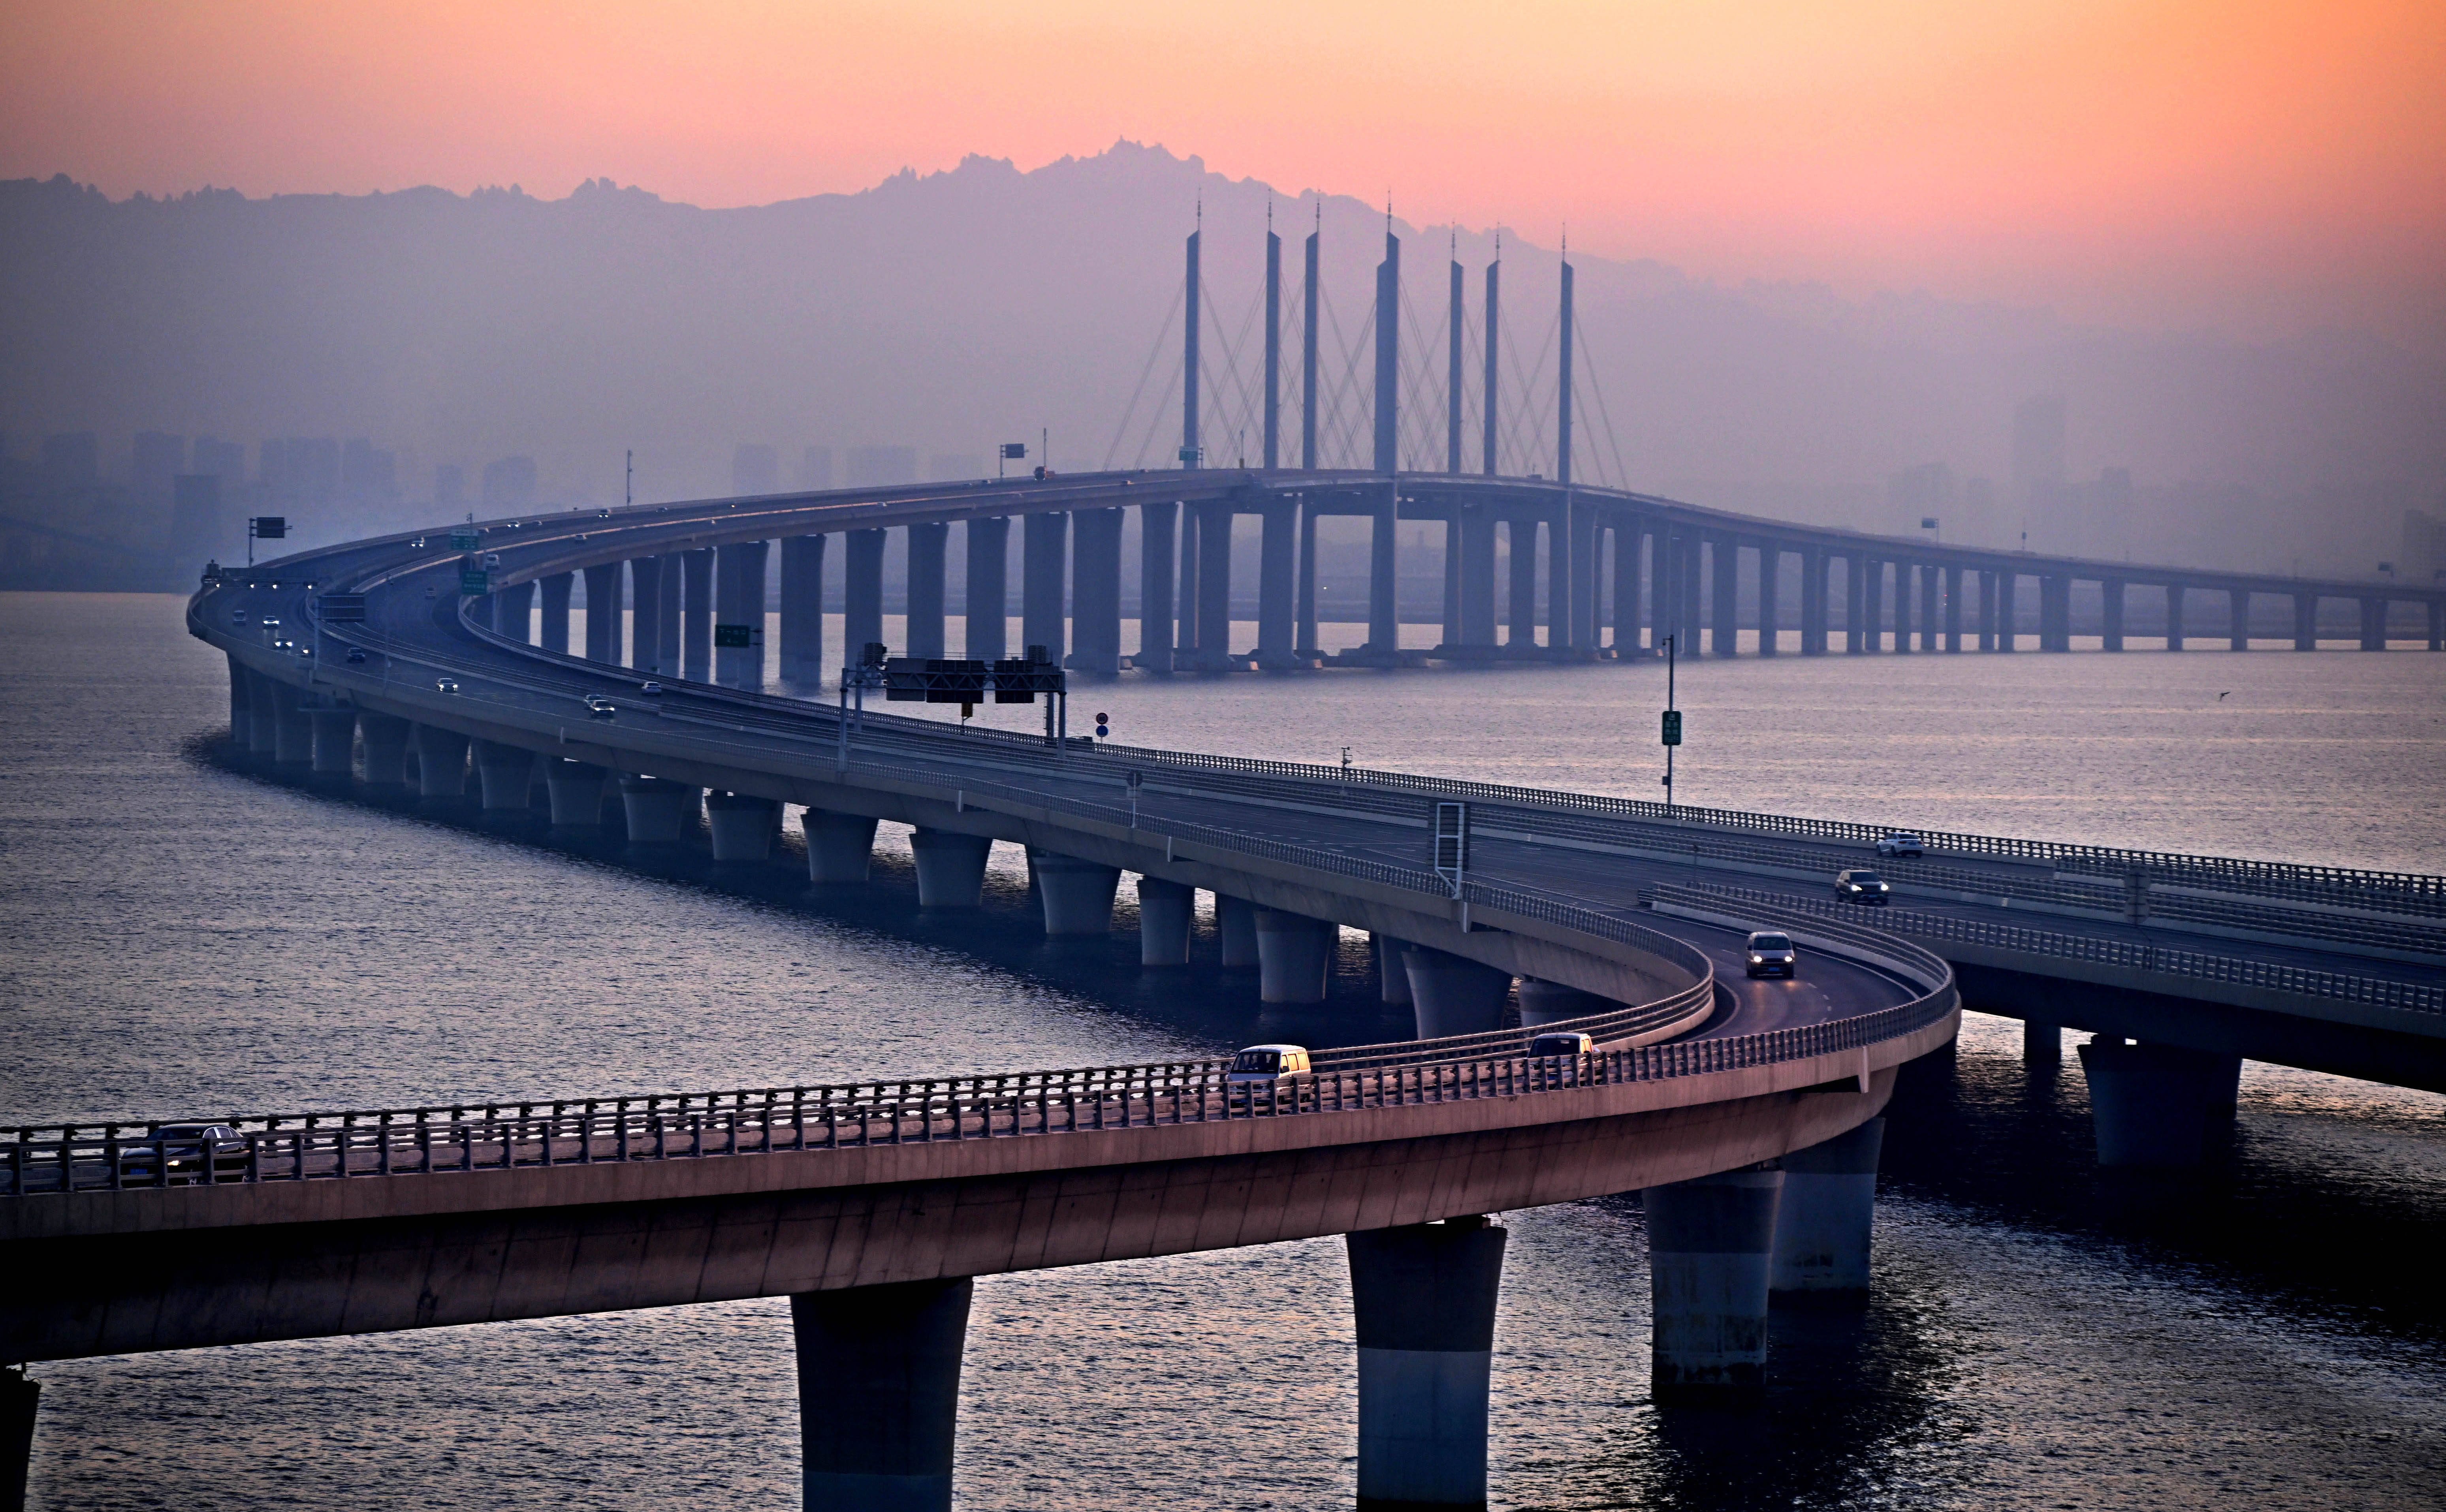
x=156 y=459
x=754 y=469
x=199 y=527
x=882 y=466
x=816 y=469
x=510 y=481
x=225 y=460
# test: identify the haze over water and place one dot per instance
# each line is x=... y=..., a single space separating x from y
x=189 y=939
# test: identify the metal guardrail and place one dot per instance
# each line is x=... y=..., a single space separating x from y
x=2194 y=965
x=465 y=1138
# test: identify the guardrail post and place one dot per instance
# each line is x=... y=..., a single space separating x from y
x=1424 y=1296
x=879 y=1394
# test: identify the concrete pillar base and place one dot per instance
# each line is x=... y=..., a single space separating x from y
x=1293 y=954
x=742 y=827
x=2156 y=1106
x=879 y=1394
x=441 y=762
x=1235 y=920
x=1710 y=1242
x=576 y=791
x=1078 y=895
x=1392 y=978
x=386 y=739
x=293 y=729
x=2041 y=1043
x=19 y=1398
x=1425 y=1297
x=335 y=740
x=950 y=867
x=1822 y=1220
x=1453 y=995
x=504 y=772
x=659 y=813
x=1166 y=910
x=840 y=846
x=1551 y=1002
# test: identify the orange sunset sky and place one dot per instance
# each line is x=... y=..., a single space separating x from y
x=2264 y=167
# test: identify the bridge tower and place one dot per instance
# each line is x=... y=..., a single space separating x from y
x=1273 y=343
x=1189 y=353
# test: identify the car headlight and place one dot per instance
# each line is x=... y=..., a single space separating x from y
x=1756 y=960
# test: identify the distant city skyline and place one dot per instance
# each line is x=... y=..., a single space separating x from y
x=2269 y=171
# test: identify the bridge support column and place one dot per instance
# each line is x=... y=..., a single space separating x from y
x=2373 y=625
x=386 y=737
x=1236 y=926
x=19 y=1397
x=1095 y=592
x=1928 y=595
x=1855 y=605
x=1293 y=954
x=840 y=846
x=1902 y=609
x=293 y=729
x=1454 y=995
x=1304 y=599
x=802 y=611
x=1166 y=910
x=927 y=545
x=2008 y=617
x=2055 y=612
x=552 y=633
x=1953 y=608
x=2237 y=619
x=1813 y=603
x=696 y=614
x=575 y=788
x=879 y=1395
x=1627 y=534
x=1710 y=1245
x=950 y=867
x=2437 y=625
x=1823 y=1217
x=988 y=608
x=1725 y=637
x=1475 y=537
x=2111 y=593
x=742 y=826
x=2306 y=621
x=861 y=592
x=660 y=813
x=1276 y=587
x=441 y=762
x=2156 y=1104
x=237 y=692
x=1214 y=523
x=261 y=737
x=2041 y=1043
x=644 y=624
x=1158 y=542
x=602 y=613
x=2174 y=616
x=1383 y=557
x=1044 y=541
x=335 y=738
x=503 y=775
x=1551 y=1002
x=1078 y=895
x=1520 y=602
x=1425 y=1297
x=1770 y=570
x=1392 y=977
x=513 y=611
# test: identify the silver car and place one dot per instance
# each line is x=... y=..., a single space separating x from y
x=1770 y=954
x=176 y=1152
x=1901 y=843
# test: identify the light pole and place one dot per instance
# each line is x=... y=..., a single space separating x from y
x=1672 y=719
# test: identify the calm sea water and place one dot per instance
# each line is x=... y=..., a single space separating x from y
x=187 y=938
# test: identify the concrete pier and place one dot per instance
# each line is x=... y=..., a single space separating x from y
x=19 y=1399
x=879 y=1395
x=659 y=813
x=742 y=826
x=2111 y=594
x=335 y=740
x=292 y=728
x=1236 y=924
x=1159 y=526
x=696 y=614
x=644 y=625
x=2156 y=1106
x=1392 y=976
x=1044 y=547
x=1453 y=995
x=1710 y=1245
x=739 y=599
x=950 y=867
x=989 y=604
x=261 y=735
x=441 y=762
x=503 y=775
x=1166 y=911
x=576 y=791
x=927 y=546
x=1520 y=599
x=2174 y=616
x=2041 y=1043
x=552 y=631
x=1423 y=1296
x=1822 y=1219
x=1277 y=584
x=861 y=592
x=385 y=740
x=802 y=611
x=1295 y=953
x=840 y=846
x=1095 y=592
x=1551 y=1002
x=1077 y=895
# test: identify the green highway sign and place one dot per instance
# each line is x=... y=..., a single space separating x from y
x=1672 y=727
x=473 y=581
x=464 y=540
x=734 y=636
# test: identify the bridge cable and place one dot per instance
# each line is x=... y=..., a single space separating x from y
x=1179 y=296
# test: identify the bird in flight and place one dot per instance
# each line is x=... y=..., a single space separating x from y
x=2227 y=694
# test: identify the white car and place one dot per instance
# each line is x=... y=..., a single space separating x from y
x=1267 y=1064
x=1901 y=843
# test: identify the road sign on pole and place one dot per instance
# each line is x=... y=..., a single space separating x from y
x=1452 y=843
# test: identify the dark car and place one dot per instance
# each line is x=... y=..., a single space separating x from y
x=1771 y=955
x=1860 y=886
x=176 y=1152
x=356 y=656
